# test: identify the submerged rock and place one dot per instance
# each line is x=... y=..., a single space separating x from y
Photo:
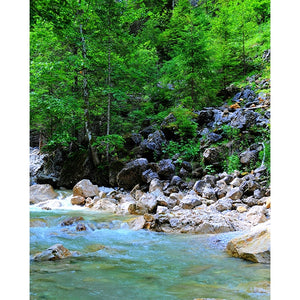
x=55 y=252
x=71 y=220
x=253 y=246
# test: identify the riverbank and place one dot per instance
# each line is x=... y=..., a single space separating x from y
x=192 y=211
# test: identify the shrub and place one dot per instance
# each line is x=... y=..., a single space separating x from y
x=233 y=163
x=186 y=150
x=114 y=142
x=186 y=126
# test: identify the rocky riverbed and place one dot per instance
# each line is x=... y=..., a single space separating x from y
x=215 y=204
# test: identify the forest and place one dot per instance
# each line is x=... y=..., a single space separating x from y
x=101 y=70
x=150 y=149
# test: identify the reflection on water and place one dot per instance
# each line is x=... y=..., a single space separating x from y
x=118 y=263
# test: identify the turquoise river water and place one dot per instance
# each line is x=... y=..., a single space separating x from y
x=114 y=262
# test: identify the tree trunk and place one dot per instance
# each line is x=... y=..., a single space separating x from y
x=109 y=98
x=88 y=132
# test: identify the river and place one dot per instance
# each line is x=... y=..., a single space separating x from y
x=115 y=262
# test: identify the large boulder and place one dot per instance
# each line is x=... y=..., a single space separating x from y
x=248 y=156
x=211 y=156
x=166 y=169
x=151 y=147
x=137 y=224
x=243 y=119
x=85 y=188
x=253 y=246
x=42 y=192
x=168 y=127
x=205 y=116
x=200 y=185
x=131 y=174
x=146 y=204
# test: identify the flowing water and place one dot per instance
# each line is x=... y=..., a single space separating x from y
x=114 y=262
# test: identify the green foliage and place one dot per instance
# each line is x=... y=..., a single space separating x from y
x=114 y=142
x=184 y=124
x=189 y=69
x=59 y=139
x=210 y=169
x=232 y=163
x=186 y=150
x=231 y=132
x=149 y=57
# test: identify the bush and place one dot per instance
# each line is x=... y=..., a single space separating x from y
x=187 y=151
x=114 y=142
x=233 y=163
x=186 y=126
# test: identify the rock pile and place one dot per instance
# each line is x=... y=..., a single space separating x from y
x=214 y=204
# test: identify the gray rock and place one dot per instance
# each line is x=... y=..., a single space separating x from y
x=137 y=224
x=256 y=215
x=213 y=137
x=258 y=194
x=253 y=246
x=146 y=204
x=41 y=192
x=152 y=145
x=209 y=193
x=211 y=156
x=174 y=222
x=161 y=210
x=236 y=182
x=155 y=185
x=78 y=200
x=243 y=119
x=183 y=173
x=85 y=188
x=234 y=193
x=205 y=116
x=190 y=201
x=199 y=186
x=71 y=220
x=262 y=170
x=176 y=180
x=250 y=201
x=248 y=156
x=131 y=174
x=249 y=186
x=223 y=204
x=221 y=192
x=169 y=202
x=55 y=252
x=166 y=169
x=187 y=166
x=148 y=175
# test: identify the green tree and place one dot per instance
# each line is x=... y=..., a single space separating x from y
x=55 y=112
x=189 y=71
